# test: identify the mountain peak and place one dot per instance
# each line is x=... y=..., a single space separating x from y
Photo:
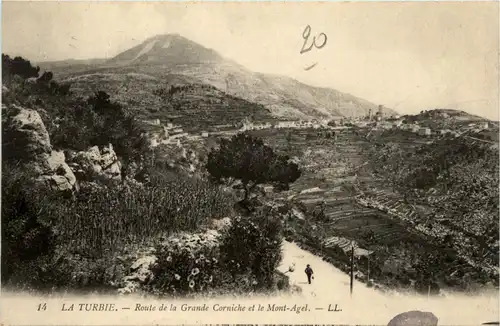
x=173 y=54
x=168 y=49
x=167 y=36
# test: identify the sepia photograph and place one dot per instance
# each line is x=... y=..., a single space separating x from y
x=169 y=163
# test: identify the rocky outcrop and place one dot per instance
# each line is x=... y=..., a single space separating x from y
x=25 y=135
x=61 y=177
x=96 y=164
x=26 y=140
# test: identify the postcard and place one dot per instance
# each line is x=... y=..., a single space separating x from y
x=168 y=163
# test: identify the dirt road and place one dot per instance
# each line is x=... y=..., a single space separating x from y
x=369 y=306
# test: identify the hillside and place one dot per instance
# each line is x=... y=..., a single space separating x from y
x=173 y=98
x=421 y=209
x=88 y=206
x=444 y=118
x=164 y=56
x=70 y=64
x=449 y=188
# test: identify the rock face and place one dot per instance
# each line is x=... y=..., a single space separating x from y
x=61 y=177
x=26 y=140
x=26 y=137
x=414 y=318
x=96 y=164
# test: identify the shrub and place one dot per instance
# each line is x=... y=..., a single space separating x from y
x=248 y=159
x=260 y=239
x=283 y=282
x=26 y=221
x=190 y=264
x=17 y=66
x=181 y=270
x=76 y=124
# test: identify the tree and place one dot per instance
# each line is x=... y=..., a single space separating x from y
x=17 y=66
x=248 y=159
x=101 y=103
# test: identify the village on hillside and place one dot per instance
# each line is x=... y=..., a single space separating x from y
x=170 y=172
x=429 y=124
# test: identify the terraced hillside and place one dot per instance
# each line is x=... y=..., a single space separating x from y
x=330 y=171
x=447 y=189
x=333 y=194
x=172 y=99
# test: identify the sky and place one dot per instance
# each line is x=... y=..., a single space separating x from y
x=408 y=56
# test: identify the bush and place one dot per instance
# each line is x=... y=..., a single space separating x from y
x=260 y=239
x=248 y=159
x=17 y=66
x=283 y=282
x=27 y=233
x=181 y=270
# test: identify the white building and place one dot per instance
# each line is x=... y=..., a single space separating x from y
x=424 y=131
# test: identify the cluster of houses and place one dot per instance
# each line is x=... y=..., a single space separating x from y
x=427 y=131
x=306 y=124
x=175 y=133
x=171 y=133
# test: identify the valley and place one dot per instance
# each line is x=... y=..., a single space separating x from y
x=414 y=197
x=340 y=202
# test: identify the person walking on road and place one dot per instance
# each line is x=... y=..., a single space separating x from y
x=309 y=273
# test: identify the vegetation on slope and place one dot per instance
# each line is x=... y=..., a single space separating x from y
x=170 y=98
x=443 y=119
x=249 y=160
x=199 y=106
x=93 y=238
x=453 y=185
x=73 y=122
x=403 y=256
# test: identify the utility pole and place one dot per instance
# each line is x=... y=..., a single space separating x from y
x=368 y=280
x=352 y=268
